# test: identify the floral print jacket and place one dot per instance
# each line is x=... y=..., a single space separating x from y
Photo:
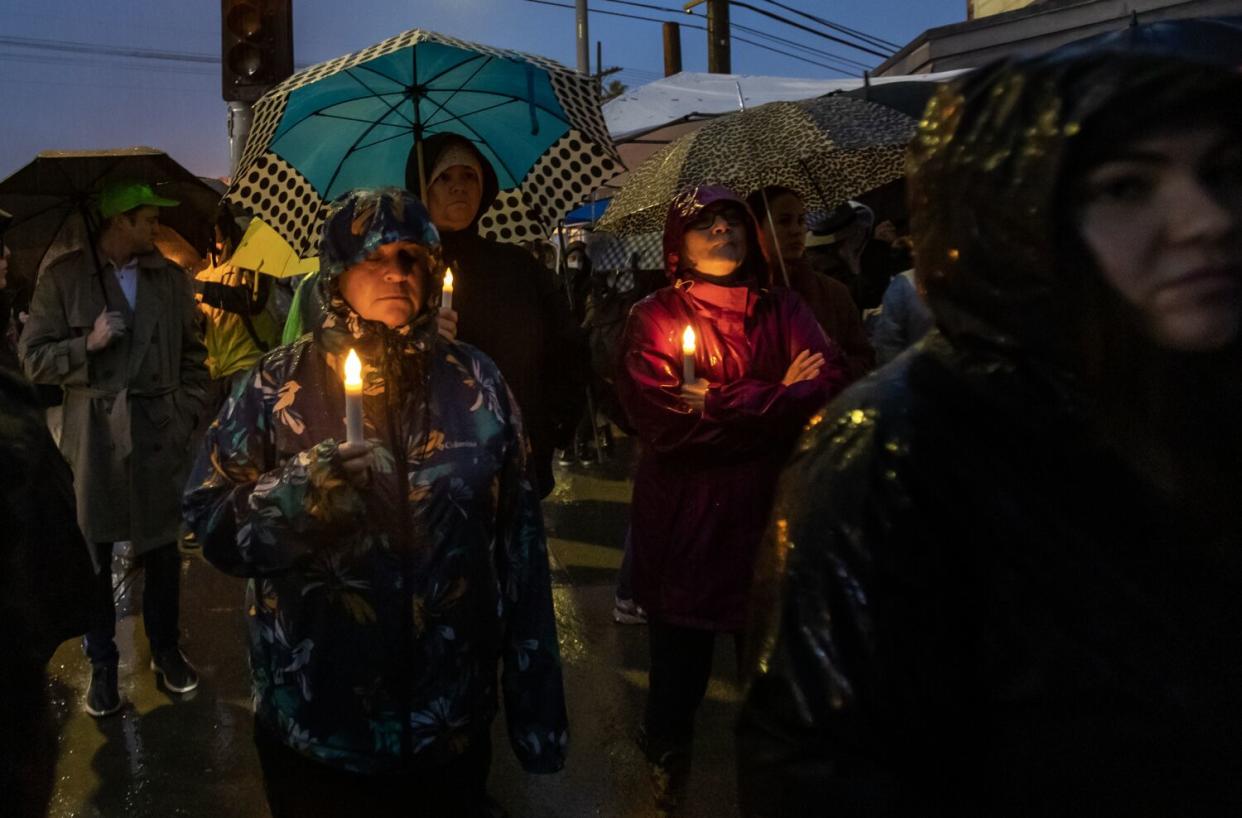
x=377 y=617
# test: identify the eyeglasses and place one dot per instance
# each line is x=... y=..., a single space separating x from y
x=707 y=219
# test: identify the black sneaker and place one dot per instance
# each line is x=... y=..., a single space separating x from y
x=102 y=698
x=179 y=675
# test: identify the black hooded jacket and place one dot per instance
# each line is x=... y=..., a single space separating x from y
x=46 y=568
x=512 y=307
x=975 y=598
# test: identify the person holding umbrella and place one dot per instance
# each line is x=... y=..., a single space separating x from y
x=113 y=324
x=781 y=214
x=1022 y=539
x=389 y=575
x=507 y=303
x=718 y=375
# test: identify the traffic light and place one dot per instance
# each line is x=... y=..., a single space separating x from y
x=256 y=46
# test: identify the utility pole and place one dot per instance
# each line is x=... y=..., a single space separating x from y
x=600 y=71
x=584 y=39
x=672 y=49
x=718 y=38
x=718 y=58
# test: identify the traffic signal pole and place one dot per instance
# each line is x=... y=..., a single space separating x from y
x=256 y=53
x=240 y=116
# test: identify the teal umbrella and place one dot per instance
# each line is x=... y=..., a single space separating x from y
x=355 y=122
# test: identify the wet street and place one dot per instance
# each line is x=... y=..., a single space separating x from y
x=167 y=755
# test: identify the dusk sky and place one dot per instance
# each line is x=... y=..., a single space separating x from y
x=57 y=91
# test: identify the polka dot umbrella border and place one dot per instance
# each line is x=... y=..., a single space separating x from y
x=285 y=175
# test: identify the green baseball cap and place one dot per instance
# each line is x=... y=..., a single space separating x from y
x=122 y=197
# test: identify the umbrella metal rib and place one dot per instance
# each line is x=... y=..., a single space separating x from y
x=350 y=151
x=483 y=64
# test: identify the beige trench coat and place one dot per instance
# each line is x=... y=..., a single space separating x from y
x=129 y=409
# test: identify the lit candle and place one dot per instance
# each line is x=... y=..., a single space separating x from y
x=353 y=398
x=446 y=296
x=687 y=356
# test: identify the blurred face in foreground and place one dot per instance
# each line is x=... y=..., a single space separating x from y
x=715 y=241
x=786 y=234
x=388 y=286
x=1163 y=220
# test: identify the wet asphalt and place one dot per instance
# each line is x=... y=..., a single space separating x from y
x=167 y=755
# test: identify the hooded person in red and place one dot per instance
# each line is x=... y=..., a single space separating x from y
x=712 y=447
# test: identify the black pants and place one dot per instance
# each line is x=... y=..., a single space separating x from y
x=681 y=665
x=298 y=787
x=161 y=600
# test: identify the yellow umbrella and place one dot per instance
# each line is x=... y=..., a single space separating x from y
x=263 y=250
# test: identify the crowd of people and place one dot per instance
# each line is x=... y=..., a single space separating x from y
x=996 y=575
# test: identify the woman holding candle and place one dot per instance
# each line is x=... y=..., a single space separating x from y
x=390 y=575
x=711 y=447
x=507 y=303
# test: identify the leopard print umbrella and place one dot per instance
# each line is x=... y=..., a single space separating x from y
x=828 y=149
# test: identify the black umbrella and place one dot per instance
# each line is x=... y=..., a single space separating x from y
x=60 y=186
x=1214 y=40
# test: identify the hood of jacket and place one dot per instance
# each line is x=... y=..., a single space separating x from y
x=686 y=206
x=358 y=223
x=996 y=245
x=438 y=144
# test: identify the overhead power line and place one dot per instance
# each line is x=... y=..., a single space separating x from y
x=815 y=51
x=884 y=55
x=853 y=32
x=110 y=50
x=847 y=65
x=130 y=52
x=700 y=28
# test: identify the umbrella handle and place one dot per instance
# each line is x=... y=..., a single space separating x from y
x=422 y=175
x=780 y=259
x=90 y=239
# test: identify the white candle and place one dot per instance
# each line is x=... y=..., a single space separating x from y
x=687 y=356
x=446 y=295
x=353 y=399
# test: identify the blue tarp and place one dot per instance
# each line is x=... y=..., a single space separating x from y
x=587 y=213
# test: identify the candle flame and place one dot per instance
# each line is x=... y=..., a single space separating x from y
x=353 y=370
x=687 y=341
x=448 y=279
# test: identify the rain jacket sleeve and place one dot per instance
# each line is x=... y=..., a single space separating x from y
x=739 y=418
x=824 y=710
x=254 y=515
x=775 y=403
x=51 y=351
x=531 y=679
